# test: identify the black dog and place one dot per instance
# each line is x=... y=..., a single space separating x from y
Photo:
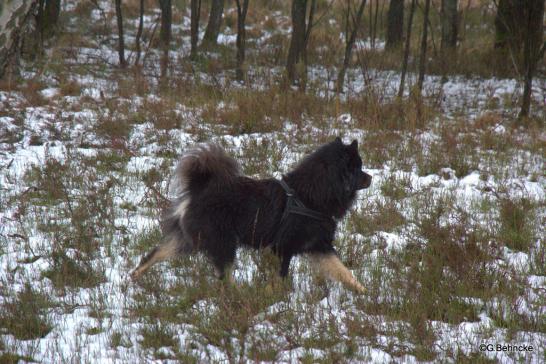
x=219 y=209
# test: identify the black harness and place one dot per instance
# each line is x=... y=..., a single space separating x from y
x=295 y=206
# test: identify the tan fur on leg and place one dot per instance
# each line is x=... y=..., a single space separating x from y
x=330 y=266
x=228 y=275
x=162 y=252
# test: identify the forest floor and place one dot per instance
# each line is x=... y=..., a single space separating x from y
x=448 y=240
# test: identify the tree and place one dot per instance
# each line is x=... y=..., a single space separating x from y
x=166 y=23
x=395 y=24
x=301 y=31
x=242 y=10
x=121 y=42
x=350 y=38
x=48 y=17
x=165 y=33
x=423 y=54
x=510 y=25
x=195 y=14
x=373 y=22
x=449 y=18
x=532 y=50
x=215 y=22
x=13 y=16
x=406 y=50
x=139 y=32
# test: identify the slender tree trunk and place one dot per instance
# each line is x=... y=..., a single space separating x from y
x=48 y=17
x=297 y=41
x=166 y=23
x=121 y=41
x=195 y=14
x=533 y=51
x=449 y=17
x=510 y=25
x=375 y=22
x=165 y=34
x=242 y=10
x=139 y=32
x=308 y=28
x=349 y=41
x=423 y=55
x=406 y=50
x=395 y=24
x=215 y=22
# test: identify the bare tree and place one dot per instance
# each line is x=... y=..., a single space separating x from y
x=121 y=41
x=350 y=38
x=423 y=53
x=139 y=32
x=449 y=18
x=301 y=31
x=195 y=14
x=395 y=24
x=215 y=22
x=48 y=17
x=532 y=50
x=406 y=50
x=165 y=33
x=510 y=24
x=242 y=10
x=14 y=16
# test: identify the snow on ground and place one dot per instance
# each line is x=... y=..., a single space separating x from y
x=74 y=337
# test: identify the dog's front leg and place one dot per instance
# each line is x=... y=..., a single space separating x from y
x=330 y=266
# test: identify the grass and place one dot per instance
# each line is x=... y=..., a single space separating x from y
x=81 y=201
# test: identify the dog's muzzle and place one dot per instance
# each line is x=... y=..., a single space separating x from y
x=365 y=180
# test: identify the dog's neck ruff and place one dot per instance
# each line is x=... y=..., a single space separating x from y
x=295 y=206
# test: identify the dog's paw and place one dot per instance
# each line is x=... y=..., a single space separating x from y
x=135 y=274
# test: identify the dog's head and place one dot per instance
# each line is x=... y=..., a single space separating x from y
x=357 y=179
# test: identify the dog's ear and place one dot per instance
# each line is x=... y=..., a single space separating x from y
x=338 y=140
x=354 y=145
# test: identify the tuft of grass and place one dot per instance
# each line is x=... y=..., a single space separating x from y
x=68 y=272
x=25 y=316
x=516 y=223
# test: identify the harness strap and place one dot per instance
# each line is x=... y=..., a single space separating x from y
x=295 y=206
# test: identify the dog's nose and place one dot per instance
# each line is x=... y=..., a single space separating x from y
x=366 y=180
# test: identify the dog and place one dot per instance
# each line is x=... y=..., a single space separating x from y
x=218 y=209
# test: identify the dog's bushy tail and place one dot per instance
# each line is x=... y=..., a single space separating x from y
x=203 y=165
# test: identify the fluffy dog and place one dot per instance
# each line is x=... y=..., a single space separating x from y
x=219 y=209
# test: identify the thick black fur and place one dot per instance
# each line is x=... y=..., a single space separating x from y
x=225 y=209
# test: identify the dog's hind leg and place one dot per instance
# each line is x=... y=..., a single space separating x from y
x=330 y=266
x=222 y=259
x=169 y=249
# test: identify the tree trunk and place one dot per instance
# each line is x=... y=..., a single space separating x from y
x=241 y=38
x=423 y=55
x=166 y=23
x=533 y=51
x=121 y=42
x=195 y=14
x=395 y=24
x=297 y=41
x=215 y=22
x=13 y=16
x=48 y=17
x=406 y=50
x=375 y=22
x=349 y=42
x=165 y=34
x=139 y=32
x=449 y=18
x=510 y=25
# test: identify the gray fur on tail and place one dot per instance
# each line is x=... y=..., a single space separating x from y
x=204 y=163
